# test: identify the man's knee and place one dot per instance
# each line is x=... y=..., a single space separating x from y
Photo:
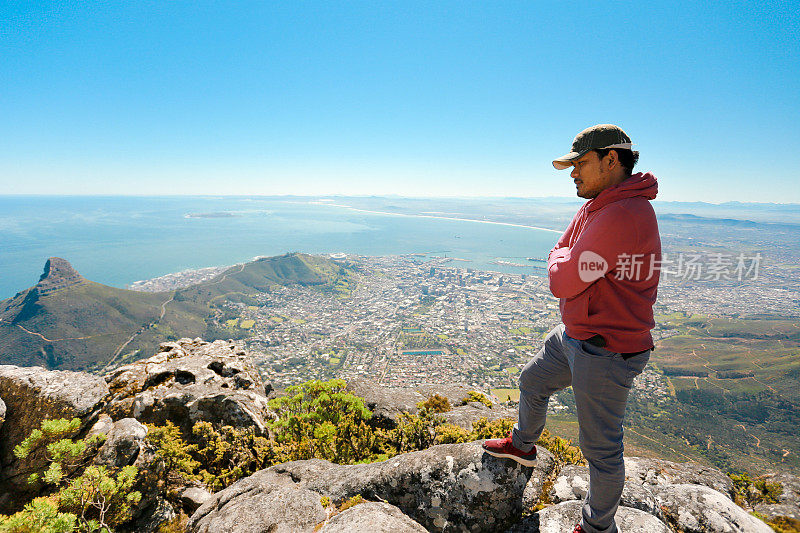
x=530 y=378
x=602 y=451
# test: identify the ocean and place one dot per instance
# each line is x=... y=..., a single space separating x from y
x=118 y=240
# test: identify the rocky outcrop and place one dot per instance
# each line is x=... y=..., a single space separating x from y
x=189 y=381
x=542 y=471
x=699 y=509
x=387 y=403
x=686 y=496
x=32 y=394
x=454 y=487
x=450 y=487
x=788 y=501
x=193 y=497
x=372 y=517
x=563 y=517
x=58 y=274
x=268 y=503
x=126 y=445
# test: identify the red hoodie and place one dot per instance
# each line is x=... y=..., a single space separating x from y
x=604 y=268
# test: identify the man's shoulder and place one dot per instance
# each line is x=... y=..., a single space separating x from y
x=636 y=207
x=637 y=204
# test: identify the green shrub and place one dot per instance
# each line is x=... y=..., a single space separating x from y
x=83 y=498
x=562 y=449
x=99 y=498
x=323 y=420
x=179 y=464
x=228 y=454
x=436 y=403
x=39 y=516
x=474 y=396
x=750 y=492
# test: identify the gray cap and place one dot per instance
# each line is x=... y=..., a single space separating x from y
x=595 y=138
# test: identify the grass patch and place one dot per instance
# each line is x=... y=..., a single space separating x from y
x=506 y=394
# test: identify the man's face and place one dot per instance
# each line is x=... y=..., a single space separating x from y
x=591 y=175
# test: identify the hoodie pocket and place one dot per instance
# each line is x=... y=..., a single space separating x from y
x=592 y=301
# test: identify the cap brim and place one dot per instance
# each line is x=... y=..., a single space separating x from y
x=565 y=161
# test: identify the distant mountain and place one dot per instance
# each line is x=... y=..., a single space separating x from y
x=738 y=222
x=68 y=322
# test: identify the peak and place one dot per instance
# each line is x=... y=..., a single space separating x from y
x=58 y=274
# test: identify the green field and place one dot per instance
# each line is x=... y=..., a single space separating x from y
x=737 y=391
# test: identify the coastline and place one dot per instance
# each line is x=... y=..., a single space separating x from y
x=414 y=215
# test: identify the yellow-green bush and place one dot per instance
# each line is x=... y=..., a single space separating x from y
x=81 y=498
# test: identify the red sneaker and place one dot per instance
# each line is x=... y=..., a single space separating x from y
x=504 y=448
x=578 y=529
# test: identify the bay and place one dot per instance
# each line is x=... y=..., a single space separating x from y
x=121 y=239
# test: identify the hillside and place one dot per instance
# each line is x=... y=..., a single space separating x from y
x=68 y=322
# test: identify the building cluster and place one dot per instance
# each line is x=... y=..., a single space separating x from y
x=408 y=321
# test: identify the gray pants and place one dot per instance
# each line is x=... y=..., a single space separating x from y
x=601 y=380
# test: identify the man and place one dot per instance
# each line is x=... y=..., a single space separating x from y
x=604 y=272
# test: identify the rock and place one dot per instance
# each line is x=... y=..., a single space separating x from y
x=189 y=381
x=788 y=501
x=681 y=494
x=774 y=510
x=563 y=517
x=659 y=472
x=277 y=506
x=149 y=521
x=125 y=440
x=32 y=394
x=700 y=509
x=465 y=415
x=450 y=487
x=102 y=426
x=126 y=445
x=2 y=413
x=544 y=468
x=386 y=403
x=372 y=517
x=193 y=497
x=572 y=483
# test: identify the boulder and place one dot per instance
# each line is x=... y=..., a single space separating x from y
x=125 y=440
x=700 y=509
x=788 y=501
x=572 y=483
x=193 y=497
x=149 y=522
x=563 y=517
x=450 y=487
x=681 y=494
x=2 y=413
x=387 y=403
x=126 y=445
x=30 y=395
x=189 y=381
x=372 y=517
x=542 y=471
x=269 y=503
x=658 y=472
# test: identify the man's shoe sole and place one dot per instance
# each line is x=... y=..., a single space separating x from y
x=517 y=458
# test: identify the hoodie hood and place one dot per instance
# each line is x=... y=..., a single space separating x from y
x=640 y=184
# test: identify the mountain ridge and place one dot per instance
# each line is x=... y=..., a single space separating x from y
x=66 y=321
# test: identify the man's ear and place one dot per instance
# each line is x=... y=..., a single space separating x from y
x=613 y=159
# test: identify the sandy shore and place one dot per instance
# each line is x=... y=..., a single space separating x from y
x=460 y=219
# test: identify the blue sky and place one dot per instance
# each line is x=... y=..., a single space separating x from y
x=410 y=98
